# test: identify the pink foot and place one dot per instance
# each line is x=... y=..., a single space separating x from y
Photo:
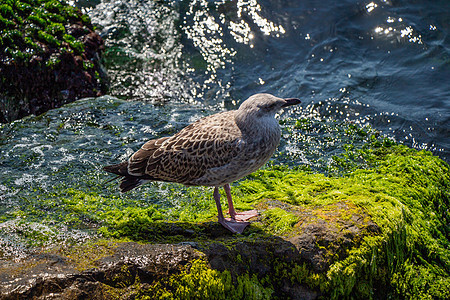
x=245 y=215
x=233 y=225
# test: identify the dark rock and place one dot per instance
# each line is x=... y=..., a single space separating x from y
x=41 y=69
x=45 y=276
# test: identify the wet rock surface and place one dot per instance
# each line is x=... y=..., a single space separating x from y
x=316 y=237
x=45 y=276
x=131 y=267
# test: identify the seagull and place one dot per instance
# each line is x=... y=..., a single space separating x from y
x=213 y=151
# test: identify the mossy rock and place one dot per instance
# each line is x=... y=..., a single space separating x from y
x=49 y=55
x=373 y=233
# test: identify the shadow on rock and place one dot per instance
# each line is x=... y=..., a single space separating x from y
x=130 y=269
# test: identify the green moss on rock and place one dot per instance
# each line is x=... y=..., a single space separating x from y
x=378 y=231
x=199 y=281
x=42 y=20
x=48 y=56
x=403 y=191
x=280 y=220
x=84 y=256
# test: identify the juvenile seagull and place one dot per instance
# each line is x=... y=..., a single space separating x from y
x=213 y=151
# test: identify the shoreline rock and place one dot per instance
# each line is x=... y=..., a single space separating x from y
x=105 y=270
x=101 y=270
x=50 y=55
x=52 y=275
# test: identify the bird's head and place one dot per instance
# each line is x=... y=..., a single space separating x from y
x=260 y=105
x=261 y=108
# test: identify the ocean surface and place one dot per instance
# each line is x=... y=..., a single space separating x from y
x=361 y=69
x=383 y=63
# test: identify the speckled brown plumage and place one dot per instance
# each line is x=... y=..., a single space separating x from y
x=187 y=156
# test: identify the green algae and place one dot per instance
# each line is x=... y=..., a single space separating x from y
x=84 y=256
x=280 y=221
x=27 y=26
x=195 y=281
x=404 y=191
x=199 y=281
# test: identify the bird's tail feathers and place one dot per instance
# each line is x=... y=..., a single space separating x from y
x=128 y=182
x=118 y=169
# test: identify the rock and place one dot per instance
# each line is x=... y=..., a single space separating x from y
x=131 y=267
x=49 y=55
x=53 y=276
x=374 y=233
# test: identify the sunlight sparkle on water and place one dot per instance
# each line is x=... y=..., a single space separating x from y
x=253 y=9
x=206 y=28
x=396 y=32
x=371 y=6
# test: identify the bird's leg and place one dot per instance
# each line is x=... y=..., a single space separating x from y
x=238 y=216
x=230 y=224
x=231 y=210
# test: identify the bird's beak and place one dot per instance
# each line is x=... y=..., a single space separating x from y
x=291 y=101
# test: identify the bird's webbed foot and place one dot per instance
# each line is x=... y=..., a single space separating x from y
x=233 y=225
x=243 y=215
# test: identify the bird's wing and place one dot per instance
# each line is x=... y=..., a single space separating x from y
x=208 y=143
x=137 y=164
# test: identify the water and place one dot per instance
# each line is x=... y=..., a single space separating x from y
x=382 y=66
x=385 y=63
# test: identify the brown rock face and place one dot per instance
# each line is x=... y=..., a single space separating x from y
x=53 y=76
x=49 y=276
